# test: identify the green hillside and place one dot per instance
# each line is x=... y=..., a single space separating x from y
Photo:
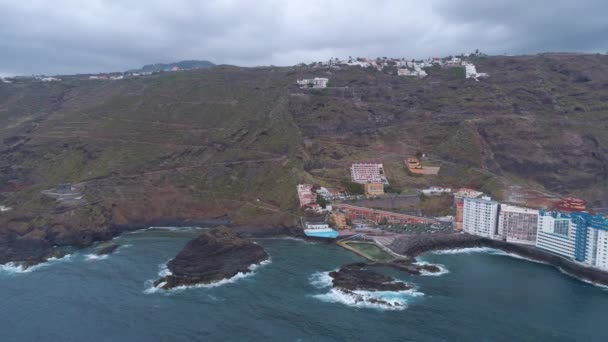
x=232 y=143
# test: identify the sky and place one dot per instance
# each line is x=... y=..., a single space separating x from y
x=86 y=36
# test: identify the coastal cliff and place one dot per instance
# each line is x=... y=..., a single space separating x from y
x=213 y=256
x=414 y=245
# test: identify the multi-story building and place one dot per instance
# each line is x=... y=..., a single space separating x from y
x=480 y=216
x=306 y=195
x=556 y=233
x=368 y=173
x=517 y=224
x=338 y=220
x=377 y=216
x=459 y=197
x=374 y=189
x=579 y=236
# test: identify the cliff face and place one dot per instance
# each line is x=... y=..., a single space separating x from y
x=230 y=144
x=214 y=255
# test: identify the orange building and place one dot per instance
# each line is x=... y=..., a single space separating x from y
x=459 y=214
x=413 y=165
x=338 y=221
x=571 y=204
x=374 y=189
x=377 y=216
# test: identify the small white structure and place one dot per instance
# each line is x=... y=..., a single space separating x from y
x=471 y=72
x=5 y=208
x=317 y=225
x=4 y=80
x=50 y=79
x=315 y=83
x=436 y=190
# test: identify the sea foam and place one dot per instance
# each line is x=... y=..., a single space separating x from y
x=95 y=257
x=395 y=300
x=15 y=268
x=467 y=250
x=442 y=269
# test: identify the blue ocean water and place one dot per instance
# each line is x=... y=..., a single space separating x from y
x=481 y=296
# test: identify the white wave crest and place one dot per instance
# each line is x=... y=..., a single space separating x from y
x=468 y=251
x=442 y=269
x=321 y=280
x=95 y=257
x=602 y=286
x=16 y=268
x=164 y=271
x=391 y=300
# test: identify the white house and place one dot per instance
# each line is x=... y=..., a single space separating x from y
x=316 y=83
x=436 y=190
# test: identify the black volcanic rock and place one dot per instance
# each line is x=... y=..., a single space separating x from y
x=214 y=255
x=109 y=249
x=355 y=277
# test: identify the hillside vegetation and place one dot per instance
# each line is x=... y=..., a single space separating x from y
x=231 y=143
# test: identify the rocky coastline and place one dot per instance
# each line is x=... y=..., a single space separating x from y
x=414 y=245
x=32 y=249
x=358 y=277
x=355 y=280
x=107 y=249
x=214 y=255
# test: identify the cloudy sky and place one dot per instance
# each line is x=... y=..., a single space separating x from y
x=71 y=36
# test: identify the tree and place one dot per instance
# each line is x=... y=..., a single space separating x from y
x=354 y=188
x=322 y=201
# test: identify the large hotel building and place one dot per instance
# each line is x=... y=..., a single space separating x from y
x=578 y=236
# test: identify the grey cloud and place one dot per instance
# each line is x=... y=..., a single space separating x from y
x=70 y=36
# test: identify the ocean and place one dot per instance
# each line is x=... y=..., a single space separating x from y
x=480 y=295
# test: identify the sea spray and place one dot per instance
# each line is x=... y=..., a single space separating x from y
x=380 y=300
x=16 y=268
x=442 y=269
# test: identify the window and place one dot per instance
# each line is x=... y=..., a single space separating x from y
x=561 y=227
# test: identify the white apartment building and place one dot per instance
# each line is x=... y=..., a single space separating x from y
x=368 y=173
x=578 y=236
x=601 y=259
x=517 y=224
x=556 y=233
x=480 y=216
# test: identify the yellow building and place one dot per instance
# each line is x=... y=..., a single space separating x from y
x=338 y=221
x=374 y=189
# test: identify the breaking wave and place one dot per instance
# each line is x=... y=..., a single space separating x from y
x=602 y=286
x=16 y=268
x=379 y=300
x=164 y=271
x=468 y=251
x=95 y=257
x=442 y=269
x=321 y=280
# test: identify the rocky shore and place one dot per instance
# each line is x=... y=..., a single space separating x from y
x=357 y=277
x=107 y=249
x=416 y=244
x=213 y=256
x=356 y=281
